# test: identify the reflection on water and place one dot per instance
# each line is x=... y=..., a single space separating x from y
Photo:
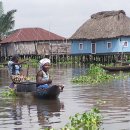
x=4 y=77
x=23 y=114
x=116 y=110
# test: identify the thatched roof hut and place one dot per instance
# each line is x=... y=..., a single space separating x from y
x=106 y=24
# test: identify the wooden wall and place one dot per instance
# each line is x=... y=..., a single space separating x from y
x=36 y=48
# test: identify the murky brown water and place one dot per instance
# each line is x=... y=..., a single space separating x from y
x=33 y=114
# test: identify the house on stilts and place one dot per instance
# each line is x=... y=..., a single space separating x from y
x=103 y=37
x=34 y=43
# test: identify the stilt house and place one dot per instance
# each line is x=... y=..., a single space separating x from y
x=33 y=41
x=105 y=33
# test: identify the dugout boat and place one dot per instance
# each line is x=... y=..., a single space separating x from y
x=30 y=89
x=116 y=68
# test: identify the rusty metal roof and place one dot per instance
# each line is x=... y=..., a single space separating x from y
x=31 y=34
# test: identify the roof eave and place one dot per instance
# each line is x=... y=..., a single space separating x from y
x=97 y=39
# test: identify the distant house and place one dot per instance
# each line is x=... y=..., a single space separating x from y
x=33 y=41
x=107 y=32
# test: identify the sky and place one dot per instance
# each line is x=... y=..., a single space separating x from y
x=62 y=17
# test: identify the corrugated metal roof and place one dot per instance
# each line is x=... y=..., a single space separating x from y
x=31 y=34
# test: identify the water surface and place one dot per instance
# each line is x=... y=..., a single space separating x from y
x=33 y=114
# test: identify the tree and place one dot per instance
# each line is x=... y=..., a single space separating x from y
x=6 y=21
x=1 y=8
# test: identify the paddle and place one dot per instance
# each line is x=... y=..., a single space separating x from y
x=27 y=69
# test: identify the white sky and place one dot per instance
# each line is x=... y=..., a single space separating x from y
x=62 y=17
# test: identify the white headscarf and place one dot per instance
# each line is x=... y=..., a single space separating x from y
x=43 y=61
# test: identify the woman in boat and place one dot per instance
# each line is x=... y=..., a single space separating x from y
x=43 y=79
x=15 y=69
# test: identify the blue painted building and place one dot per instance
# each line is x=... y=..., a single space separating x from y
x=106 y=32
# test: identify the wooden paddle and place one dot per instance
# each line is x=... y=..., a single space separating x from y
x=27 y=70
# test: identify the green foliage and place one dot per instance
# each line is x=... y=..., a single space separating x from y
x=30 y=62
x=6 y=21
x=9 y=93
x=1 y=8
x=86 y=121
x=97 y=75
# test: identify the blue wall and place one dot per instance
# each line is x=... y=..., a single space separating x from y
x=125 y=49
x=101 y=46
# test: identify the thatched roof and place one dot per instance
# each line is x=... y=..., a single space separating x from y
x=30 y=35
x=106 y=24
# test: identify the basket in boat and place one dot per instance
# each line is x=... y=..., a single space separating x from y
x=26 y=86
x=17 y=78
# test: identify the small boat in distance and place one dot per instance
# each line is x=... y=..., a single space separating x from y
x=116 y=68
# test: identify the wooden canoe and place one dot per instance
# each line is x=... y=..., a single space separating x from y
x=116 y=68
x=29 y=88
x=48 y=93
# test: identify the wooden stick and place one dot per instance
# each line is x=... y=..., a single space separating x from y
x=27 y=70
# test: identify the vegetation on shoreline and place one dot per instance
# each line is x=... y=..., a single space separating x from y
x=97 y=75
x=34 y=63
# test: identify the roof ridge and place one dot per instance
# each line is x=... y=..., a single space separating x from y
x=104 y=14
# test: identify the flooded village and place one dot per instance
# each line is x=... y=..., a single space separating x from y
x=94 y=97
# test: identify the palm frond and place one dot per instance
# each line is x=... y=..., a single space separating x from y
x=6 y=22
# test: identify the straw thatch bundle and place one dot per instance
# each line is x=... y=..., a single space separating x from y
x=106 y=24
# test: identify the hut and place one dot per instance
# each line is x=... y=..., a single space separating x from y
x=105 y=33
x=33 y=42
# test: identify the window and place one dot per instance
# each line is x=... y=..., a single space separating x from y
x=80 y=46
x=109 y=45
x=125 y=44
x=93 y=48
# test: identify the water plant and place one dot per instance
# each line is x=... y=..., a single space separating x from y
x=86 y=121
x=97 y=75
x=9 y=93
